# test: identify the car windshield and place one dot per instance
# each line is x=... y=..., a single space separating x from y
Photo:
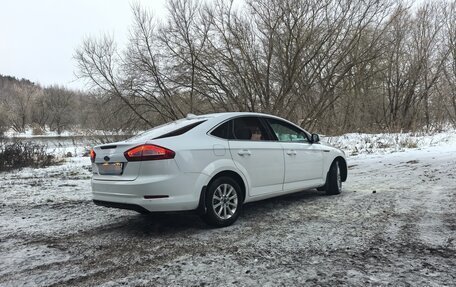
x=164 y=129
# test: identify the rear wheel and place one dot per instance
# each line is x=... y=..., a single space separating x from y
x=223 y=202
x=334 y=179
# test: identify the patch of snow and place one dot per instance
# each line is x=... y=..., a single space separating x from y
x=48 y=133
x=359 y=143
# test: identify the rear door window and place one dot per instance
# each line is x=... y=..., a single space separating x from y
x=180 y=131
x=250 y=129
x=224 y=131
x=244 y=128
x=168 y=130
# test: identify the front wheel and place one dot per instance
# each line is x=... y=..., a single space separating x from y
x=334 y=179
x=223 y=202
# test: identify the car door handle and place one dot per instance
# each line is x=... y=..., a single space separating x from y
x=291 y=152
x=244 y=152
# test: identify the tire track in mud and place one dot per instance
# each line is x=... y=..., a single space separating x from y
x=195 y=240
x=424 y=209
x=259 y=249
x=369 y=252
x=413 y=231
x=99 y=250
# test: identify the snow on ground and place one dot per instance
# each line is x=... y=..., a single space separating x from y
x=47 y=133
x=394 y=223
x=359 y=143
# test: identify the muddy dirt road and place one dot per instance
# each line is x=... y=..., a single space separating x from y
x=394 y=224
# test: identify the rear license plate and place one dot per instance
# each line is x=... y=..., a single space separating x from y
x=115 y=168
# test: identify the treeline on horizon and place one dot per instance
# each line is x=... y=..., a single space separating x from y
x=24 y=104
x=331 y=66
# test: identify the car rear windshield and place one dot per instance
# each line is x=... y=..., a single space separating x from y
x=175 y=128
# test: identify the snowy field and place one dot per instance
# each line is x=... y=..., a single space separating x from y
x=394 y=224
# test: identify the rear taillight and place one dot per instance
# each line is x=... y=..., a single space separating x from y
x=148 y=152
x=92 y=155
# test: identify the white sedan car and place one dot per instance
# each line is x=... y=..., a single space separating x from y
x=214 y=164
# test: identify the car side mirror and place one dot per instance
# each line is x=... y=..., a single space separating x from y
x=315 y=138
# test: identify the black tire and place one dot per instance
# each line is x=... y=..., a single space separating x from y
x=223 y=202
x=333 y=184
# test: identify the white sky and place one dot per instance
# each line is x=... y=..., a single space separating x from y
x=38 y=38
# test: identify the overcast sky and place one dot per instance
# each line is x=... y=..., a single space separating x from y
x=38 y=38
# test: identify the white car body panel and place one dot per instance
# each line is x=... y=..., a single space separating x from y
x=267 y=168
x=303 y=166
x=261 y=162
x=179 y=188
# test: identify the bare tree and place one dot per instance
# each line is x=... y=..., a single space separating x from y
x=18 y=104
x=99 y=62
x=414 y=65
x=335 y=65
x=59 y=105
x=448 y=88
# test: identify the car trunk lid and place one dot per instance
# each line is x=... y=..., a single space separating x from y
x=110 y=162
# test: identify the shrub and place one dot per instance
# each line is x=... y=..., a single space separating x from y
x=37 y=130
x=21 y=154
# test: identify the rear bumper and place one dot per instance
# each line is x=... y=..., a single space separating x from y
x=180 y=192
x=134 y=207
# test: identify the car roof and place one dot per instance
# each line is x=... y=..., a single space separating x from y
x=229 y=115
x=220 y=117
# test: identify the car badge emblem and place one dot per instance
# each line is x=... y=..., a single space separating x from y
x=106 y=158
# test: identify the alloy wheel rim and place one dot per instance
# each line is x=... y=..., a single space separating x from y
x=225 y=201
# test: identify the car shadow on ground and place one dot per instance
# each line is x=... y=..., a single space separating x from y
x=281 y=204
x=169 y=223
